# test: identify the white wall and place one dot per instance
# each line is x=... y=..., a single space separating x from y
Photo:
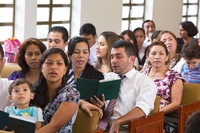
x=167 y=14
x=25 y=19
x=105 y=15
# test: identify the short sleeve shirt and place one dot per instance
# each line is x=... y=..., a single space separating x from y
x=164 y=85
x=66 y=94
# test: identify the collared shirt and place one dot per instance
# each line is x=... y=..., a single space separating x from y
x=4 y=94
x=146 y=42
x=137 y=90
x=93 y=56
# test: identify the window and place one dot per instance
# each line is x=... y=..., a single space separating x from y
x=190 y=11
x=132 y=14
x=7 y=10
x=51 y=13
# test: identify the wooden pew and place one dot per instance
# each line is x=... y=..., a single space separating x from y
x=151 y=124
x=190 y=103
x=85 y=123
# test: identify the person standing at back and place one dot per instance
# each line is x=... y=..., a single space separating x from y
x=88 y=31
x=58 y=37
x=149 y=28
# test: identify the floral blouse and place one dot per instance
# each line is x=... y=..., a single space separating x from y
x=164 y=85
x=66 y=94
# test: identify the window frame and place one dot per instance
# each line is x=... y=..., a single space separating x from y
x=50 y=22
x=9 y=23
x=187 y=4
x=129 y=18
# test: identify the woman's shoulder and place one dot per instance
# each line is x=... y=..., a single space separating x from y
x=15 y=75
x=69 y=93
x=91 y=72
x=174 y=75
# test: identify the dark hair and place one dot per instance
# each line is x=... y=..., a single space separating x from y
x=156 y=34
x=72 y=44
x=120 y=37
x=1 y=51
x=22 y=50
x=110 y=38
x=129 y=48
x=190 y=28
x=87 y=29
x=19 y=81
x=133 y=38
x=61 y=29
x=41 y=99
x=192 y=124
x=191 y=50
x=139 y=29
x=148 y=21
x=178 y=46
x=157 y=43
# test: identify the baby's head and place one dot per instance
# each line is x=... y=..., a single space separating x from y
x=191 y=54
x=21 y=93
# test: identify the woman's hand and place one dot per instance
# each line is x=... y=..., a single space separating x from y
x=96 y=101
x=87 y=107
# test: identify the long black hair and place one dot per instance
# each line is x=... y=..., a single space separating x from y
x=41 y=98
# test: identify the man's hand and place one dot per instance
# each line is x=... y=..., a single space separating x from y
x=96 y=101
x=87 y=107
x=115 y=127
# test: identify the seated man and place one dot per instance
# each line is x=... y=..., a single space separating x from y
x=88 y=31
x=136 y=95
x=4 y=101
x=58 y=37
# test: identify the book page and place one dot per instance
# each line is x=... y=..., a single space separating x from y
x=29 y=119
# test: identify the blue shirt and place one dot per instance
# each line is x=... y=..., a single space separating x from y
x=191 y=75
x=28 y=112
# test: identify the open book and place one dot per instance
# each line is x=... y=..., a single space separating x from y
x=90 y=87
x=19 y=124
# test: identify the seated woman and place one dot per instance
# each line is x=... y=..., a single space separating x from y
x=28 y=59
x=103 y=48
x=169 y=82
x=187 y=30
x=176 y=60
x=58 y=101
x=79 y=52
x=140 y=37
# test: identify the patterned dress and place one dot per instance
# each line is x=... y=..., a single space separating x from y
x=164 y=85
x=18 y=74
x=66 y=94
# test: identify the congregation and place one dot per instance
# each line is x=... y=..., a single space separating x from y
x=152 y=63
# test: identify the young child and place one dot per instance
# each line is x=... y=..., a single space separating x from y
x=191 y=68
x=21 y=93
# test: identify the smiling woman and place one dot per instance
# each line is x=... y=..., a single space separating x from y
x=28 y=59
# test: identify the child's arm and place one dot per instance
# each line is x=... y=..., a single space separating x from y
x=38 y=125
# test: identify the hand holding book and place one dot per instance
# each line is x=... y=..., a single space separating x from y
x=89 y=88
